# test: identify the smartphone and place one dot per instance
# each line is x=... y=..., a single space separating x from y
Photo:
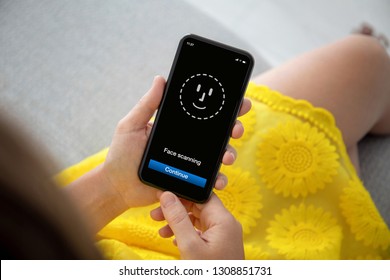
x=201 y=100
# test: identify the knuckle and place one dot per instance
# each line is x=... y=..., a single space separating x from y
x=176 y=216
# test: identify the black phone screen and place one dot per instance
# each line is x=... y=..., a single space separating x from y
x=202 y=97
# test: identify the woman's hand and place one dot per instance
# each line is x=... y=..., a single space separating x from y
x=202 y=231
x=129 y=142
x=113 y=187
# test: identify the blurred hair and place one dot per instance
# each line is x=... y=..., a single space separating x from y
x=37 y=219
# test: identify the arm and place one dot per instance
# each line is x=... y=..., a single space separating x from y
x=113 y=187
x=218 y=235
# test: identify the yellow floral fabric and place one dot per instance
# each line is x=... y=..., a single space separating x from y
x=293 y=188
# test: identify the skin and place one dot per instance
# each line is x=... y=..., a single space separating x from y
x=215 y=228
x=113 y=187
x=350 y=78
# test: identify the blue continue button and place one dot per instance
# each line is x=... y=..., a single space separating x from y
x=177 y=173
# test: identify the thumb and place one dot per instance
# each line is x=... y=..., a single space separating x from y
x=142 y=112
x=178 y=220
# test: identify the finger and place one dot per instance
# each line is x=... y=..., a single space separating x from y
x=238 y=130
x=245 y=107
x=212 y=213
x=157 y=214
x=149 y=128
x=166 y=232
x=140 y=115
x=229 y=156
x=213 y=208
x=177 y=217
x=221 y=182
x=213 y=203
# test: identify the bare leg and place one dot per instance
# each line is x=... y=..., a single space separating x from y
x=350 y=78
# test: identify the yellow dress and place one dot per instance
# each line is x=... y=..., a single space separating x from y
x=292 y=187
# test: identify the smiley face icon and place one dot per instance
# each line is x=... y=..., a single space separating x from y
x=202 y=96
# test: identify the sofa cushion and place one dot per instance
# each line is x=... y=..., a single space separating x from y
x=72 y=69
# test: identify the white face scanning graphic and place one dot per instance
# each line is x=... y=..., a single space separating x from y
x=202 y=100
x=202 y=96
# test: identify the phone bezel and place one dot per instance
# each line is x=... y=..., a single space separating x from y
x=194 y=193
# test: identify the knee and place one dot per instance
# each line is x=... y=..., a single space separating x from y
x=368 y=49
x=374 y=60
x=368 y=65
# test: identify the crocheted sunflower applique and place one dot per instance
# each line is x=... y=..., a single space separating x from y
x=296 y=159
x=242 y=197
x=363 y=218
x=305 y=232
x=249 y=121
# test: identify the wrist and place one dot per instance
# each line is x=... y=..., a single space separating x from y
x=97 y=198
x=115 y=202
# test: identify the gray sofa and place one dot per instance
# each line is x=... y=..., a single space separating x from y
x=69 y=70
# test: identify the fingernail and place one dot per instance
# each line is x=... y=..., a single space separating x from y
x=224 y=182
x=221 y=183
x=167 y=199
x=233 y=156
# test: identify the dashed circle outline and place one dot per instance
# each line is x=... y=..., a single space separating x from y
x=223 y=96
